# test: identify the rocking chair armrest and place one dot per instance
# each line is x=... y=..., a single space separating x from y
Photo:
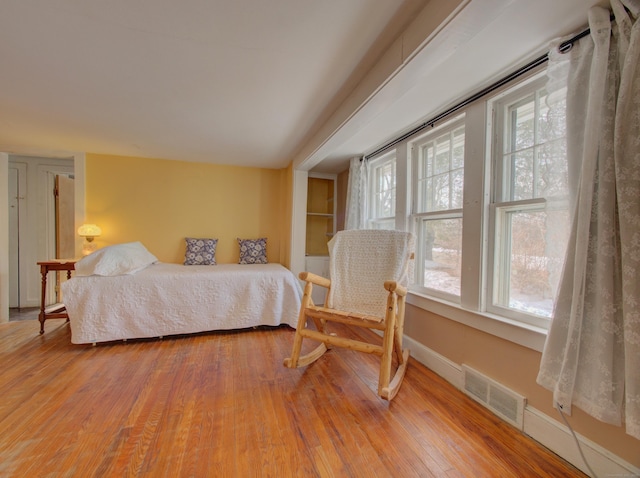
x=315 y=279
x=393 y=286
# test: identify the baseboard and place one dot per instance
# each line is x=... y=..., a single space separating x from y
x=450 y=371
x=557 y=437
x=541 y=427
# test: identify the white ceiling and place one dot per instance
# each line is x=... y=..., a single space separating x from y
x=244 y=82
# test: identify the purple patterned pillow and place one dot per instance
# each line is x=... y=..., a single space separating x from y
x=253 y=251
x=200 y=252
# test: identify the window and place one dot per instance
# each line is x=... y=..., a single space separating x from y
x=438 y=162
x=530 y=206
x=382 y=196
x=488 y=195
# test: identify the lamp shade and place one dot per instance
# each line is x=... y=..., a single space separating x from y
x=89 y=230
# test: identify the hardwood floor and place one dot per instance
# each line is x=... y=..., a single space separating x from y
x=222 y=404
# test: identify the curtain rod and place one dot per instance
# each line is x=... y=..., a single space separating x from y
x=564 y=47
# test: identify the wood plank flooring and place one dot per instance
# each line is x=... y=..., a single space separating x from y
x=222 y=404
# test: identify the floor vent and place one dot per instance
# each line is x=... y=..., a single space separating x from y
x=505 y=403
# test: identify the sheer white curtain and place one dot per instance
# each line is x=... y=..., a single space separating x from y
x=356 y=207
x=592 y=355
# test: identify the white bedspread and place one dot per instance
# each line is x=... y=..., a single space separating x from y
x=168 y=299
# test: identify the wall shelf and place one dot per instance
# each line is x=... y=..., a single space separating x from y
x=320 y=214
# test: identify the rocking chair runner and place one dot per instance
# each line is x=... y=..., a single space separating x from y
x=369 y=272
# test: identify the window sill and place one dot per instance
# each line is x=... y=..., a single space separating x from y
x=522 y=334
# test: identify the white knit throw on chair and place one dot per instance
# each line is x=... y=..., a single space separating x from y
x=360 y=262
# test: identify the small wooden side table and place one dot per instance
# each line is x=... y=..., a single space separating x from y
x=59 y=312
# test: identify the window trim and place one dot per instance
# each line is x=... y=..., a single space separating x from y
x=418 y=221
x=495 y=116
x=471 y=311
x=500 y=195
x=417 y=218
x=493 y=307
x=520 y=333
x=375 y=163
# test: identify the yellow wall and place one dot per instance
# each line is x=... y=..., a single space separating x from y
x=160 y=202
x=513 y=366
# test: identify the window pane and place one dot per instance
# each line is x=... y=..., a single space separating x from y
x=441 y=172
x=551 y=169
x=551 y=120
x=522 y=123
x=427 y=161
x=384 y=190
x=440 y=193
x=530 y=260
x=443 y=150
x=457 y=160
x=457 y=183
x=522 y=176
x=534 y=164
x=442 y=254
x=424 y=187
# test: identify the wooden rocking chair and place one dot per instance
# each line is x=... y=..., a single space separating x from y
x=369 y=271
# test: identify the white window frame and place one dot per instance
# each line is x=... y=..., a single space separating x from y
x=478 y=214
x=374 y=219
x=476 y=249
x=418 y=219
x=501 y=205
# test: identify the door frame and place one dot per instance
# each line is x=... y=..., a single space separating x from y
x=79 y=162
x=20 y=216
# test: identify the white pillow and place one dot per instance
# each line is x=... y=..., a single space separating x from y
x=115 y=260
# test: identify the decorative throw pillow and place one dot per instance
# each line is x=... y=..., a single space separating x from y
x=200 y=252
x=253 y=251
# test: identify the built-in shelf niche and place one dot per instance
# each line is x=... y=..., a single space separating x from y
x=320 y=214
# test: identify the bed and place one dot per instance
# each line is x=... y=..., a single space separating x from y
x=161 y=299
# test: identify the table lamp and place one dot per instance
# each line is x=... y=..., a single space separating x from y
x=89 y=232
